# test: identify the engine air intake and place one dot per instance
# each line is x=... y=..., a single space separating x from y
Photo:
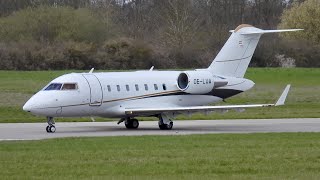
x=195 y=82
x=183 y=81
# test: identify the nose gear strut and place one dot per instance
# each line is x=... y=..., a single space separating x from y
x=50 y=128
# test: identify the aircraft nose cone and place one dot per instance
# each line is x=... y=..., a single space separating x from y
x=27 y=107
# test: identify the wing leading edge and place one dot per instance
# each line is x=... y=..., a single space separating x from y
x=134 y=111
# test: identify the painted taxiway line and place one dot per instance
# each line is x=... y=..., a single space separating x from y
x=36 y=131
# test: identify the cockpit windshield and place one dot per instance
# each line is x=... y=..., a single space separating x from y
x=60 y=86
x=69 y=86
x=53 y=86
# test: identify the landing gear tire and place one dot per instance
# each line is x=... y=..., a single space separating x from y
x=165 y=123
x=131 y=123
x=135 y=123
x=165 y=126
x=51 y=129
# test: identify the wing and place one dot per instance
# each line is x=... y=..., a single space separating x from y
x=137 y=111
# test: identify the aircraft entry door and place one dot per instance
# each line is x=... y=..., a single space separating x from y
x=96 y=94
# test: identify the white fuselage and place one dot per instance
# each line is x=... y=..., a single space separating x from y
x=109 y=94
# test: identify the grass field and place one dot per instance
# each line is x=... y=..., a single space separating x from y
x=223 y=156
x=303 y=100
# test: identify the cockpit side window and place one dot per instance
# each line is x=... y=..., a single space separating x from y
x=53 y=86
x=69 y=86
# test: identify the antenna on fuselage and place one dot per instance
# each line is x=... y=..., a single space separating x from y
x=92 y=119
x=91 y=70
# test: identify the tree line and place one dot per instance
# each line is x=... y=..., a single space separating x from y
x=138 y=34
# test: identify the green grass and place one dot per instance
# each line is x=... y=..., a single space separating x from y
x=303 y=100
x=223 y=156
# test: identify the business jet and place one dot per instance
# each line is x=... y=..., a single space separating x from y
x=161 y=94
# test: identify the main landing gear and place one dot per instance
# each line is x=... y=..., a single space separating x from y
x=165 y=123
x=50 y=128
x=131 y=123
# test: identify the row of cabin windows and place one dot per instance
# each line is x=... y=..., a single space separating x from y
x=164 y=87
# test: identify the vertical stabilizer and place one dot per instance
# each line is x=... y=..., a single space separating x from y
x=235 y=56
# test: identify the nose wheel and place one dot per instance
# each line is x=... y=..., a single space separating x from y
x=50 y=128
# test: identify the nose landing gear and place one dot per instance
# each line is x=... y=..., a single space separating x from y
x=50 y=128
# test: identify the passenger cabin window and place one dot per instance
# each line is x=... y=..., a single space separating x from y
x=127 y=87
x=137 y=87
x=155 y=87
x=164 y=87
x=53 y=86
x=109 y=88
x=146 y=87
x=69 y=86
x=118 y=88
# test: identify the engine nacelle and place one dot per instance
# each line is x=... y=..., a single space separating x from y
x=195 y=82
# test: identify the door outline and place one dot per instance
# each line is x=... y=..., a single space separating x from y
x=91 y=84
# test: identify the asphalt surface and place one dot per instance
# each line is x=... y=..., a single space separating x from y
x=36 y=131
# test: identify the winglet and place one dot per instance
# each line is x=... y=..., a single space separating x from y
x=91 y=70
x=283 y=96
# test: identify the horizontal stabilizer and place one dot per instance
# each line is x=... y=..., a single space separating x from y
x=260 y=31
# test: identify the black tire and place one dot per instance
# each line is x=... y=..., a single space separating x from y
x=128 y=124
x=47 y=129
x=165 y=126
x=52 y=129
x=170 y=125
x=132 y=124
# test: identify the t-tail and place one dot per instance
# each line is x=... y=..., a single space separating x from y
x=235 y=56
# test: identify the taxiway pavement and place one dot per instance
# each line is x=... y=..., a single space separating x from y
x=36 y=131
